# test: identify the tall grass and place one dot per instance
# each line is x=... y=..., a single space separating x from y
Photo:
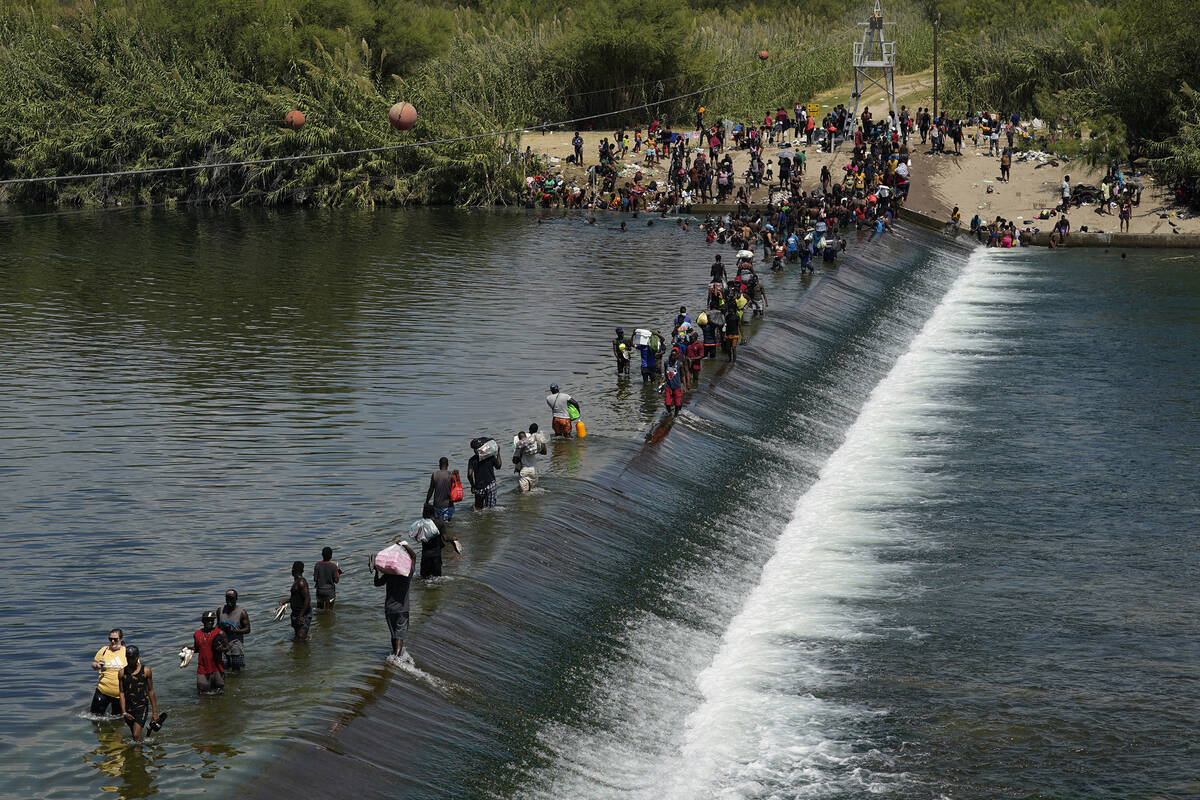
x=96 y=90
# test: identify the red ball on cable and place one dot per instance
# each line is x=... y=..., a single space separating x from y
x=294 y=119
x=764 y=55
x=402 y=116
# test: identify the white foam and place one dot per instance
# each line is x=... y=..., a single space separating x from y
x=689 y=711
x=756 y=725
x=405 y=664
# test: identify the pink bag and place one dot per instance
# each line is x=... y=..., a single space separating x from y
x=394 y=560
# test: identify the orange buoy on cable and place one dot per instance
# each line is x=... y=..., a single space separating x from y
x=294 y=119
x=402 y=116
x=764 y=55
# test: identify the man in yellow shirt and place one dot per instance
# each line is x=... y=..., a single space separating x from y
x=109 y=662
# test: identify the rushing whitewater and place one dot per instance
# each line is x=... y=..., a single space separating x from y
x=760 y=724
x=688 y=712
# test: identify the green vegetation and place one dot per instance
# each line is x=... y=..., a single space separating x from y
x=113 y=85
x=1116 y=71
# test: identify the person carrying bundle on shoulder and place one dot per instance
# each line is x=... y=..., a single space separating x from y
x=481 y=471
x=431 y=534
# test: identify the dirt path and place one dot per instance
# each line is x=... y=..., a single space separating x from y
x=939 y=182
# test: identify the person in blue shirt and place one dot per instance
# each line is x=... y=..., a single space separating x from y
x=793 y=247
x=649 y=362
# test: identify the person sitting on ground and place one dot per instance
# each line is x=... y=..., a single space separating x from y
x=1058 y=236
x=955 y=221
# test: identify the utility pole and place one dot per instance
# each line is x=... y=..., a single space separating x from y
x=936 y=20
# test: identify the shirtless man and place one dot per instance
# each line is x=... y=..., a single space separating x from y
x=301 y=602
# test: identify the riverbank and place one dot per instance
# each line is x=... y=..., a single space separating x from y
x=938 y=183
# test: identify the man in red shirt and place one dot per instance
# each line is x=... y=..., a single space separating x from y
x=209 y=643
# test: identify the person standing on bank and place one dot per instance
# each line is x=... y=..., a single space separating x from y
x=395 y=604
x=326 y=575
x=109 y=661
x=300 y=600
x=138 y=702
x=440 y=484
x=233 y=620
x=561 y=423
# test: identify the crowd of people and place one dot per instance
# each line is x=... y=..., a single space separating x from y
x=125 y=687
x=799 y=224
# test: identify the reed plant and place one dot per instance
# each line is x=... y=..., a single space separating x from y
x=117 y=85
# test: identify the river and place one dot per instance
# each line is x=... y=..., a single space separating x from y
x=930 y=537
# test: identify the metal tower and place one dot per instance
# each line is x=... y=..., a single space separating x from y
x=871 y=54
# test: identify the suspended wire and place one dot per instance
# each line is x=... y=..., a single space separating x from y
x=430 y=142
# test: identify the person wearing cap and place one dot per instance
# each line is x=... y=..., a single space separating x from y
x=209 y=643
x=621 y=347
x=326 y=575
x=558 y=401
x=138 y=702
x=235 y=622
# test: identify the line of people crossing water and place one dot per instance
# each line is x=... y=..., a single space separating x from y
x=798 y=226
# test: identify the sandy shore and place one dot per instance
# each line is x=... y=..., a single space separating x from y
x=939 y=182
